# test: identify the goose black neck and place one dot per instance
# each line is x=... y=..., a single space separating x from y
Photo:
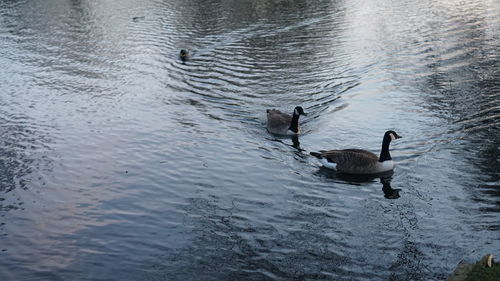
x=294 y=125
x=384 y=154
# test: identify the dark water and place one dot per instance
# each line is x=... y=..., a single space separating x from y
x=120 y=162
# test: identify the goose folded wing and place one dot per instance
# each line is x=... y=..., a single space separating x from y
x=277 y=118
x=352 y=157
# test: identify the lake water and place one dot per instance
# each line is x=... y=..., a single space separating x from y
x=119 y=161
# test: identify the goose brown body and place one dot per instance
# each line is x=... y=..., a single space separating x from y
x=284 y=124
x=278 y=122
x=352 y=161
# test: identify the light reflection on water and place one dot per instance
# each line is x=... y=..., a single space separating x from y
x=120 y=161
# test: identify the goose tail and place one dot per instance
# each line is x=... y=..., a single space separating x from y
x=316 y=154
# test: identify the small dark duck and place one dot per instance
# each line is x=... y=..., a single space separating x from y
x=184 y=54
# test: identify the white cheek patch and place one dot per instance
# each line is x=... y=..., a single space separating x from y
x=393 y=137
x=296 y=112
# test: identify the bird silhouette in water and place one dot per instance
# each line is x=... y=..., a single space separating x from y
x=184 y=54
x=389 y=192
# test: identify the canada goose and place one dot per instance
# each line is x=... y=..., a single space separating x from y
x=359 y=161
x=184 y=55
x=283 y=124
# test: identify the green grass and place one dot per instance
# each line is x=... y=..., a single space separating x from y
x=480 y=273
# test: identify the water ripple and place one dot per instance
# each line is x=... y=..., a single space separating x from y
x=114 y=147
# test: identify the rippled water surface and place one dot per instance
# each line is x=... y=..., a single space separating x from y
x=119 y=161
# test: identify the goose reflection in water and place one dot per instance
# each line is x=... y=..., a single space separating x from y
x=295 y=143
x=385 y=180
x=389 y=192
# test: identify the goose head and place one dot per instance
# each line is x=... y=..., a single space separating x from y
x=390 y=136
x=299 y=111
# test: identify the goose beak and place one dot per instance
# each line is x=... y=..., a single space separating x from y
x=398 y=137
x=305 y=114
